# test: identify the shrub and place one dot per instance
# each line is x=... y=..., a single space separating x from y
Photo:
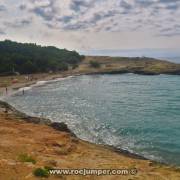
x=26 y=158
x=41 y=172
x=75 y=66
x=95 y=64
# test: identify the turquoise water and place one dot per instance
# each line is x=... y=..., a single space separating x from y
x=137 y=113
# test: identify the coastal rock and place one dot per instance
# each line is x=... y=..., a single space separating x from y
x=141 y=72
x=176 y=72
x=37 y=120
x=61 y=127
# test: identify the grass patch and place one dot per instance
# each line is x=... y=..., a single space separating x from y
x=95 y=64
x=26 y=158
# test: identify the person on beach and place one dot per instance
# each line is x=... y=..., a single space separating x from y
x=6 y=110
x=6 y=90
x=23 y=91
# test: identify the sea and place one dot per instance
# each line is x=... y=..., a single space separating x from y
x=137 y=113
x=171 y=59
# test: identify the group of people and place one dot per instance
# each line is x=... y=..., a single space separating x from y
x=30 y=78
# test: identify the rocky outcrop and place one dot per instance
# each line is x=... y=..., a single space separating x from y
x=61 y=127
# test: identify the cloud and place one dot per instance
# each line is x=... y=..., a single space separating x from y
x=18 y=23
x=22 y=7
x=2 y=8
x=2 y=32
x=126 y=5
x=77 y=5
x=172 y=6
x=170 y=34
x=44 y=9
x=35 y=18
x=144 y=3
x=168 y=1
x=102 y=15
x=66 y=19
x=170 y=31
x=46 y=14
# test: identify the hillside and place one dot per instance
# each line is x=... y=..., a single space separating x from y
x=31 y=58
x=119 y=65
x=24 y=58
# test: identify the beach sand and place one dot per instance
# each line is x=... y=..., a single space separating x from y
x=22 y=81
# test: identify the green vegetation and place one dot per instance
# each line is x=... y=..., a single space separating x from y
x=74 y=66
x=41 y=172
x=31 y=58
x=26 y=158
x=95 y=64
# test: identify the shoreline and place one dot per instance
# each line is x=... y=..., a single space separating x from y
x=38 y=120
x=61 y=126
x=57 y=77
x=55 y=145
x=133 y=160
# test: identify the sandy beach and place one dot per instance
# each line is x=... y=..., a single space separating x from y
x=22 y=81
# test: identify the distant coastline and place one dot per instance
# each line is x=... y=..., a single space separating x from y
x=107 y=65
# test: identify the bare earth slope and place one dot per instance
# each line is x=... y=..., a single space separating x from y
x=61 y=149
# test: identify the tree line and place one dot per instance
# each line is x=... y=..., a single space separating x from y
x=26 y=58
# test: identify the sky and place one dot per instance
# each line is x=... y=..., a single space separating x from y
x=86 y=25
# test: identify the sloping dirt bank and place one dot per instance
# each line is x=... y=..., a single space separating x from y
x=54 y=145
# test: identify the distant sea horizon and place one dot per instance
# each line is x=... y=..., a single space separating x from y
x=171 y=55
